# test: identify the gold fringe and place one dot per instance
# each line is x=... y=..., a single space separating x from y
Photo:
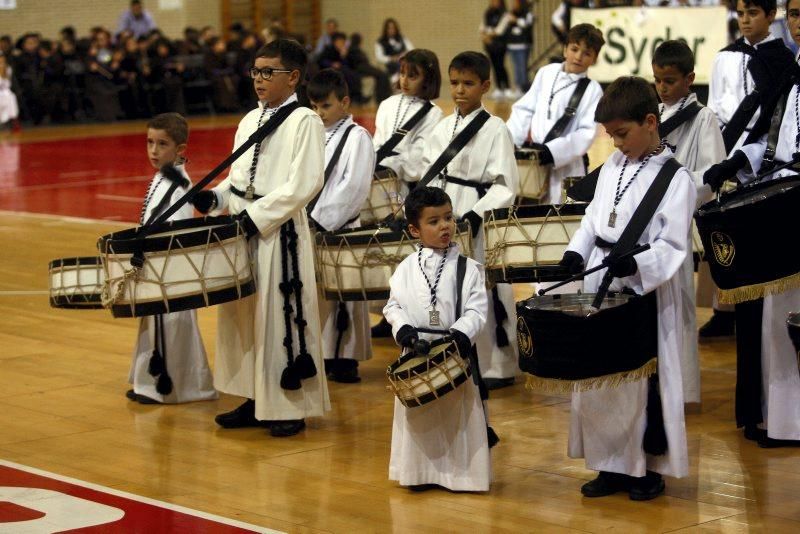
x=757 y=291
x=555 y=385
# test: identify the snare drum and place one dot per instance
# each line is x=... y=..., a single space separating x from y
x=385 y=197
x=566 y=345
x=534 y=178
x=76 y=283
x=526 y=243
x=190 y=263
x=418 y=379
x=747 y=239
x=357 y=264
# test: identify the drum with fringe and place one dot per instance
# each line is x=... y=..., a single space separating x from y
x=566 y=345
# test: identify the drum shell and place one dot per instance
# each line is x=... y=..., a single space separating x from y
x=739 y=241
x=76 y=283
x=557 y=345
x=793 y=324
x=189 y=264
x=385 y=198
x=534 y=178
x=526 y=243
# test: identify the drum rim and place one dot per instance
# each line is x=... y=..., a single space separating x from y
x=715 y=206
x=335 y=238
x=92 y=301
x=535 y=211
x=127 y=241
x=586 y=297
x=391 y=370
x=75 y=261
x=793 y=320
x=447 y=387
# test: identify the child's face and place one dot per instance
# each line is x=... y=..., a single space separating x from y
x=280 y=85
x=793 y=19
x=634 y=140
x=671 y=83
x=753 y=21
x=578 y=58
x=467 y=89
x=331 y=110
x=412 y=80
x=436 y=226
x=341 y=46
x=161 y=149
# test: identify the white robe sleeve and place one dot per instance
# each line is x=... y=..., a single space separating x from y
x=501 y=166
x=755 y=158
x=409 y=162
x=475 y=303
x=710 y=152
x=716 y=89
x=519 y=123
x=582 y=240
x=223 y=189
x=576 y=143
x=393 y=311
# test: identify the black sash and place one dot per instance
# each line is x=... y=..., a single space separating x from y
x=583 y=190
x=455 y=147
x=735 y=127
x=480 y=187
x=329 y=168
x=386 y=149
x=774 y=133
x=569 y=113
x=168 y=196
x=686 y=114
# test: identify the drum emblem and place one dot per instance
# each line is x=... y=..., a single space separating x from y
x=524 y=339
x=724 y=251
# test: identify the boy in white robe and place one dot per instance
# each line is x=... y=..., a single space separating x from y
x=698 y=145
x=268 y=344
x=482 y=176
x=345 y=325
x=768 y=382
x=443 y=442
x=535 y=114
x=177 y=370
x=608 y=425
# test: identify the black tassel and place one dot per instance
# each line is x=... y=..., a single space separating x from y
x=501 y=336
x=290 y=378
x=500 y=316
x=305 y=365
x=655 y=436
x=156 y=365
x=164 y=384
x=342 y=318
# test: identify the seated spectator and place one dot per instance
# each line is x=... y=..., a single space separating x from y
x=245 y=57
x=103 y=65
x=357 y=60
x=133 y=99
x=136 y=20
x=191 y=42
x=333 y=57
x=27 y=69
x=326 y=39
x=9 y=108
x=390 y=46
x=164 y=76
x=223 y=78
x=206 y=34
x=51 y=68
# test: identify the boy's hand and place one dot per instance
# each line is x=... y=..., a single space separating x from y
x=475 y=222
x=249 y=227
x=462 y=342
x=407 y=336
x=624 y=267
x=204 y=201
x=572 y=261
x=716 y=175
x=545 y=156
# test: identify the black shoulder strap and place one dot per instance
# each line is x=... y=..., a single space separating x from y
x=774 y=133
x=387 y=148
x=164 y=201
x=685 y=115
x=331 y=165
x=740 y=46
x=455 y=147
x=736 y=126
x=572 y=108
x=461 y=273
x=583 y=190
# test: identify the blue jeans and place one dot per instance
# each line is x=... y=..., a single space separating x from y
x=519 y=62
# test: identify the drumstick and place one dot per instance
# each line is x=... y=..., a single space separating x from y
x=602 y=265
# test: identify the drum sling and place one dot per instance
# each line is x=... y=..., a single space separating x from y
x=329 y=168
x=685 y=115
x=455 y=146
x=387 y=148
x=569 y=113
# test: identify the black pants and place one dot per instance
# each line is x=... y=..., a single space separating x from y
x=748 y=363
x=497 y=54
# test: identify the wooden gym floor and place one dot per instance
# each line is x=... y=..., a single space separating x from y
x=63 y=377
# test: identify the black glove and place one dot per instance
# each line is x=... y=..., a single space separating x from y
x=407 y=336
x=249 y=227
x=624 y=267
x=716 y=175
x=462 y=342
x=545 y=156
x=316 y=226
x=204 y=201
x=475 y=222
x=795 y=159
x=572 y=261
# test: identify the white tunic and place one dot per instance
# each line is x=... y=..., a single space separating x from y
x=9 y=108
x=250 y=353
x=488 y=159
x=698 y=145
x=534 y=115
x=185 y=358
x=608 y=425
x=443 y=442
x=341 y=200
x=392 y=114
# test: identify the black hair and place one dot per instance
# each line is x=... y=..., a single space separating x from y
x=628 y=98
x=174 y=124
x=588 y=35
x=427 y=64
x=766 y=5
x=421 y=198
x=338 y=35
x=324 y=83
x=384 y=33
x=474 y=62
x=289 y=51
x=674 y=54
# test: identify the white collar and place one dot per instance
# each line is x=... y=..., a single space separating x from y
x=347 y=122
x=292 y=98
x=471 y=116
x=571 y=75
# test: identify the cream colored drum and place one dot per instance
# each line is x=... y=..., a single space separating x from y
x=76 y=283
x=418 y=379
x=357 y=264
x=385 y=198
x=187 y=264
x=534 y=178
x=526 y=243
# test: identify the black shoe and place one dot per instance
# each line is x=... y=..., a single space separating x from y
x=284 y=429
x=770 y=443
x=345 y=377
x=382 y=329
x=606 y=484
x=647 y=487
x=342 y=370
x=421 y=487
x=494 y=439
x=753 y=433
x=131 y=395
x=141 y=399
x=721 y=324
x=498 y=383
x=242 y=417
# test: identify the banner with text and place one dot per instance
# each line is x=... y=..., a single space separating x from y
x=633 y=33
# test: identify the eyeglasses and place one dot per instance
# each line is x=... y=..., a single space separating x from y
x=266 y=73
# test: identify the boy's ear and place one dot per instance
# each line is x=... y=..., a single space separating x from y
x=346 y=102
x=181 y=149
x=652 y=121
x=771 y=16
x=413 y=230
x=594 y=59
x=485 y=86
x=294 y=78
x=690 y=78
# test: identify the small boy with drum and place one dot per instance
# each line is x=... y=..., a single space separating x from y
x=436 y=292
